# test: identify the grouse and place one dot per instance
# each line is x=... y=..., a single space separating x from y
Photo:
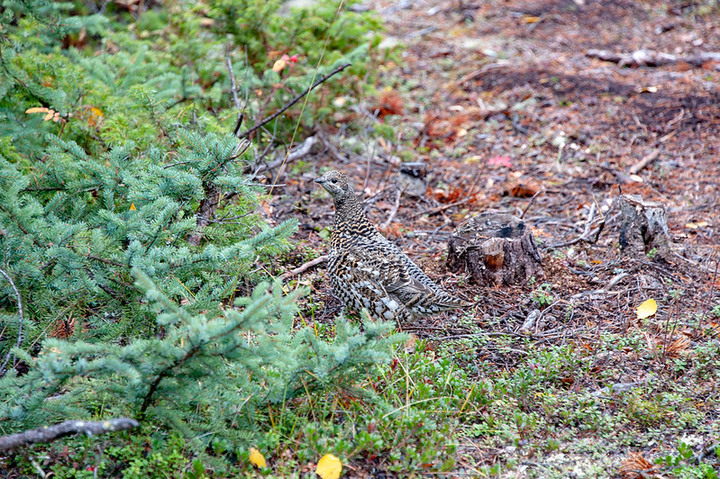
x=368 y=271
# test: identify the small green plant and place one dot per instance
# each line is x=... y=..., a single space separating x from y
x=683 y=463
x=652 y=253
x=543 y=296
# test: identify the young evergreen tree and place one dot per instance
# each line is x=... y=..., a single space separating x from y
x=128 y=227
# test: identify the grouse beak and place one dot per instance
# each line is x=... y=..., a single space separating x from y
x=319 y=180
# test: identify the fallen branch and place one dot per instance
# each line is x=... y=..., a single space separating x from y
x=292 y=102
x=20 y=321
x=303 y=268
x=638 y=167
x=651 y=58
x=51 y=433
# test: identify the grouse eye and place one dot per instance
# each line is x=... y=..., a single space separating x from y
x=333 y=180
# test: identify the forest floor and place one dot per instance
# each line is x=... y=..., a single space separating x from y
x=508 y=112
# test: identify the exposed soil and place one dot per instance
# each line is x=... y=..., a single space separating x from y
x=501 y=102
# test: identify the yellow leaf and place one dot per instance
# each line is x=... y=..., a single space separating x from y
x=95 y=116
x=647 y=309
x=329 y=467
x=279 y=65
x=257 y=458
x=37 y=109
x=132 y=207
x=529 y=19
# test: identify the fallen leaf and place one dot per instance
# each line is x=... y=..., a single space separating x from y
x=647 y=309
x=37 y=109
x=500 y=161
x=132 y=207
x=329 y=467
x=257 y=458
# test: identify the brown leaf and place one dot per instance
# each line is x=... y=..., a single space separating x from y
x=389 y=102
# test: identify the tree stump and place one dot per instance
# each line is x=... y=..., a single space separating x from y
x=644 y=226
x=494 y=248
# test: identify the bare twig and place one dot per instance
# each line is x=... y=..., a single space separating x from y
x=51 y=433
x=233 y=84
x=303 y=268
x=20 y=320
x=637 y=167
x=394 y=211
x=532 y=200
x=291 y=102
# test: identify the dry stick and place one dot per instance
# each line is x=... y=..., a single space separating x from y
x=51 y=433
x=637 y=167
x=303 y=268
x=233 y=87
x=652 y=58
x=20 y=322
x=292 y=102
x=530 y=203
x=394 y=211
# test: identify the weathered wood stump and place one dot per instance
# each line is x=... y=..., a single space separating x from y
x=644 y=226
x=494 y=248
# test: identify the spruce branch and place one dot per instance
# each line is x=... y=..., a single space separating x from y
x=207 y=207
x=291 y=102
x=52 y=433
x=20 y=321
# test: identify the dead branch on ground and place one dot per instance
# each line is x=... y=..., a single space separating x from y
x=651 y=58
x=52 y=433
x=303 y=268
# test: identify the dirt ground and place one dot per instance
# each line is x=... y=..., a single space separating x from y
x=502 y=103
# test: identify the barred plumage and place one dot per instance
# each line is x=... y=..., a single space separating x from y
x=368 y=271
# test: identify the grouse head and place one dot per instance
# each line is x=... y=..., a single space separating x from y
x=336 y=184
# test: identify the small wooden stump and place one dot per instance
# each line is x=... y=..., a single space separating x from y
x=494 y=248
x=644 y=226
